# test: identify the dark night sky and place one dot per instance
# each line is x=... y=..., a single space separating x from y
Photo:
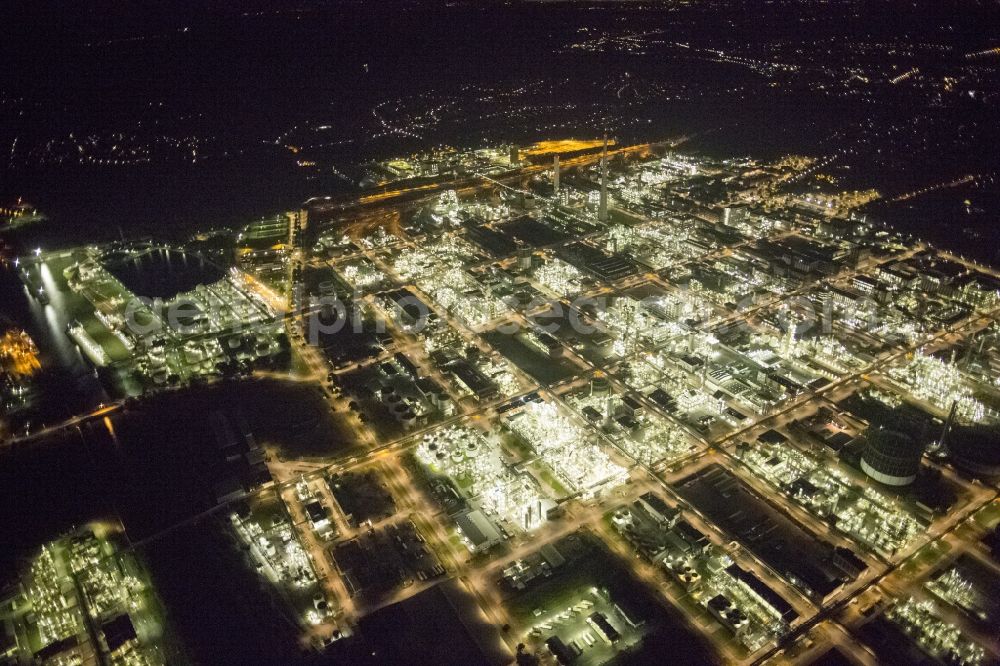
x=229 y=86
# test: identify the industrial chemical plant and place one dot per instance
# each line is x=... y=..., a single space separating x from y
x=595 y=400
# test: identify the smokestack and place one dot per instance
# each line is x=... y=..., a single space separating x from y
x=555 y=174
x=942 y=443
x=602 y=212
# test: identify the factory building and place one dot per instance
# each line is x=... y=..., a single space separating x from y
x=479 y=532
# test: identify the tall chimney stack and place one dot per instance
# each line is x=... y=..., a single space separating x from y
x=943 y=441
x=602 y=211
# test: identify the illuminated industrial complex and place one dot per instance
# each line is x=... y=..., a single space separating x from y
x=613 y=397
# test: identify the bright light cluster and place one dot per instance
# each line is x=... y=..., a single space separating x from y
x=762 y=621
x=864 y=514
x=476 y=464
x=920 y=620
x=941 y=384
x=878 y=521
x=278 y=549
x=79 y=580
x=56 y=617
x=660 y=370
x=497 y=368
x=363 y=275
x=656 y=244
x=103 y=584
x=827 y=351
x=559 y=278
x=650 y=321
x=565 y=447
x=438 y=269
x=892 y=324
x=652 y=440
x=501 y=373
x=959 y=592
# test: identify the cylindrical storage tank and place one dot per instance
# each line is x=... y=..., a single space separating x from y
x=892 y=457
x=600 y=384
x=974 y=449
